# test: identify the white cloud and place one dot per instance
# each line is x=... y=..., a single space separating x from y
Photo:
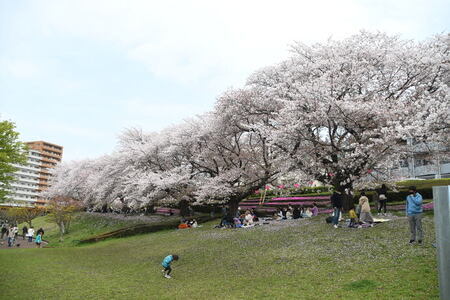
x=192 y=41
x=20 y=69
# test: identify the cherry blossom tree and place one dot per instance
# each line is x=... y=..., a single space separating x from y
x=349 y=106
x=339 y=112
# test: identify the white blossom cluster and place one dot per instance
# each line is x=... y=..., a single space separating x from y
x=338 y=112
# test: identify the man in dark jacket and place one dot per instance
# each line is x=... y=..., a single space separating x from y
x=336 y=201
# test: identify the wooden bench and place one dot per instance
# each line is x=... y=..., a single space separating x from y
x=166 y=211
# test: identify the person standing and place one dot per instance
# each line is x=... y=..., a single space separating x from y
x=414 y=211
x=40 y=231
x=382 y=196
x=336 y=201
x=11 y=236
x=30 y=234
x=24 y=232
x=16 y=230
x=4 y=230
x=38 y=240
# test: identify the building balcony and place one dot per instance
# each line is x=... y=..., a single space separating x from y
x=33 y=193
x=23 y=167
x=23 y=186
x=26 y=174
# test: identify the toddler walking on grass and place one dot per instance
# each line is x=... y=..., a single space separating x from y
x=166 y=264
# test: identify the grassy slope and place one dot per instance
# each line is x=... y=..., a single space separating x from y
x=83 y=226
x=304 y=261
x=422 y=184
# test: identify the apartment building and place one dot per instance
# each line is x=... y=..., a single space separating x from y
x=33 y=177
x=51 y=155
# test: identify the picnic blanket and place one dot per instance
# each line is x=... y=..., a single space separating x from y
x=376 y=220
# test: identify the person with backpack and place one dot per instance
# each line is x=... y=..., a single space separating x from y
x=382 y=199
x=40 y=231
x=38 y=240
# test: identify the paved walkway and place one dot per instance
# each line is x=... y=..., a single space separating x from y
x=22 y=243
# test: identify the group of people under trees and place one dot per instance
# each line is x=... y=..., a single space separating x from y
x=361 y=215
x=11 y=232
x=188 y=223
x=297 y=212
x=249 y=217
x=246 y=219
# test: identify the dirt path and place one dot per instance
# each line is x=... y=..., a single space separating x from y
x=22 y=243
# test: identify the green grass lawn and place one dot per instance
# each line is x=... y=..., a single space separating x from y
x=86 y=225
x=306 y=259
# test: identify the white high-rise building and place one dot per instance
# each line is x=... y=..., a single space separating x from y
x=33 y=177
x=24 y=189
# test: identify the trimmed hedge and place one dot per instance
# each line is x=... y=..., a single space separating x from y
x=427 y=193
x=424 y=183
x=292 y=195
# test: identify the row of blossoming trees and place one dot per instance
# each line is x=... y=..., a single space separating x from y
x=337 y=112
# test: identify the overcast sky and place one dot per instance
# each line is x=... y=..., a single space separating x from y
x=76 y=73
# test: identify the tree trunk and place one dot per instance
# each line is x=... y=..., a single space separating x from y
x=233 y=204
x=347 y=201
x=184 y=208
x=62 y=230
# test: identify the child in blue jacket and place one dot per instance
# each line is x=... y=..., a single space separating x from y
x=166 y=264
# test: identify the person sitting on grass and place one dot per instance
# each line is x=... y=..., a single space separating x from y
x=194 y=223
x=276 y=216
x=307 y=213
x=352 y=215
x=366 y=215
x=284 y=213
x=289 y=214
x=167 y=261
x=237 y=222
x=255 y=217
x=184 y=224
x=296 y=213
x=315 y=210
x=248 y=218
x=279 y=213
x=227 y=221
